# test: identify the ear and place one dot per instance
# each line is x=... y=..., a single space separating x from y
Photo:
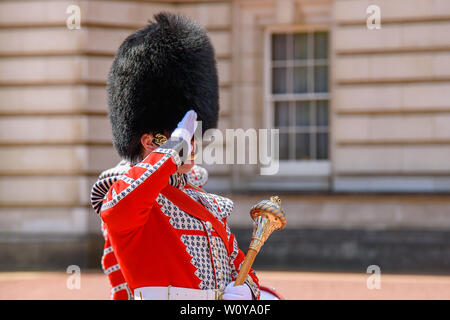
x=147 y=143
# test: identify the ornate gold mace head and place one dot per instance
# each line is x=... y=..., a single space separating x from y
x=268 y=216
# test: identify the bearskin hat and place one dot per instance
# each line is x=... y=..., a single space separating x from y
x=159 y=73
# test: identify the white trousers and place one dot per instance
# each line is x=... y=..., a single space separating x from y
x=174 y=293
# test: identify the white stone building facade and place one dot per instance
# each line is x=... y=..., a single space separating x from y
x=363 y=114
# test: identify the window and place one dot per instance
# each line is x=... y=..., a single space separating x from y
x=299 y=94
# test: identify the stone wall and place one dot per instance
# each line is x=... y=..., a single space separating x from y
x=390 y=97
x=55 y=137
x=342 y=232
x=389 y=126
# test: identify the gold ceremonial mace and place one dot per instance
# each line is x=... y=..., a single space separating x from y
x=268 y=217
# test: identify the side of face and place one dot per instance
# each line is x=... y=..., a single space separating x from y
x=148 y=147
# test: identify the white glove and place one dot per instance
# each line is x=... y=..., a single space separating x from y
x=185 y=130
x=237 y=293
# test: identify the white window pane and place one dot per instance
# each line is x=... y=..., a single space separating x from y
x=303 y=124
x=284 y=146
x=322 y=146
x=281 y=114
x=279 y=47
x=302 y=146
x=300 y=46
x=300 y=80
x=302 y=113
x=321 y=79
x=279 y=81
x=320 y=45
x=322 y=113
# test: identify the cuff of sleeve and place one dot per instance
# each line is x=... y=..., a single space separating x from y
x=173 y=148
x=254 y=288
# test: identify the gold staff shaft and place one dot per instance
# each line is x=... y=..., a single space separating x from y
x=268 y=217
x=246 y=266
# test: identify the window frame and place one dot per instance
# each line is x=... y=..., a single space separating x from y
x=318 y=168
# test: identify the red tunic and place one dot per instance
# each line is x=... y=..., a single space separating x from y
x=158 y=244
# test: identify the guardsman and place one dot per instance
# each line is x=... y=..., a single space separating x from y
x=165 y=237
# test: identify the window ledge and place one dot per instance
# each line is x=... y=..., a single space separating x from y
x=314 y=168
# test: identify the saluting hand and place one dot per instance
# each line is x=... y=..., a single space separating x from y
x=185 y=130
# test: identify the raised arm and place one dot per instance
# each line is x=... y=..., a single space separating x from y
x=132 y=196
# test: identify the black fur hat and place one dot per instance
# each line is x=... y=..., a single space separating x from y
x=159 y=73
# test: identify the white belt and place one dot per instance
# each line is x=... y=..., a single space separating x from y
x=174 y=293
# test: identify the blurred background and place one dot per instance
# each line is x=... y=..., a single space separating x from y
x=363 y=114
